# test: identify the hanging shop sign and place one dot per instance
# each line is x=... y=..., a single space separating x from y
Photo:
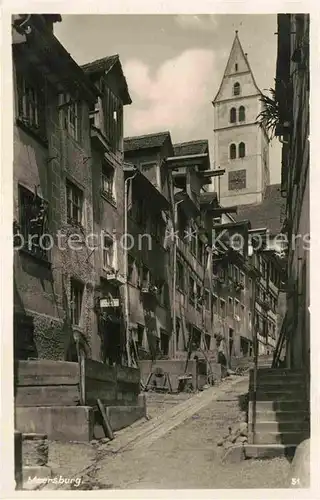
x=105 y=303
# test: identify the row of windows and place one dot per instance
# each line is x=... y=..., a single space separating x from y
x=233 y=151
x=140 y=275
x=241 y=114
x=32 y=112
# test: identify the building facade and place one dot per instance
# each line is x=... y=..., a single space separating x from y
x=53 y=284
x=241 y=146
x=292 y=96
x=106 y=129
x=68 y=164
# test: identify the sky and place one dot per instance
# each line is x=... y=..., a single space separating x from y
x=174 y=65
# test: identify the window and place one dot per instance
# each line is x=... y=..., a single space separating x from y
x=236 y=88
x=74 y=203
x=236 y=274
x=233 y=152
x=249 y=320
x=200 y=251
x=214 y=305
x=145 y=278
x=71 y=116
x=113 y=119
x=207 y=300
x=107 y=181
x=222 y=308
x=237 y=180
x=198 y=296
x=31 y=106
x=233 y=115
x=237 y=307
x=242 y=278
x=242 y=150
x=192 y=286
x=32 y=223
x=230 y=303
x=180 y=276
x=242 y=114
x=130 y=268
x=108 y=252
x=140 y=334
x=207 y=341
x=76 y=301
x=193 y=241
x=236 y=67
x=164 y=342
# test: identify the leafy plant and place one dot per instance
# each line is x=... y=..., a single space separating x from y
x=269 y=117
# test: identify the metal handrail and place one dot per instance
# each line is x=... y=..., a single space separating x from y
x=279 y=346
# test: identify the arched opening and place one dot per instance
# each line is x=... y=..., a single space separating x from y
x=242 y=150
x=233 y=115
x=236 y=88
x=233 y=151
x=242 y=114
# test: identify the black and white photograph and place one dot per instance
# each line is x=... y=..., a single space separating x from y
x=160 y=251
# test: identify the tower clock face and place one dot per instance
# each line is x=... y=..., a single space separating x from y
x=237 y=180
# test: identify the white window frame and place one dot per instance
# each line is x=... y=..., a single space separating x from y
x=112 y=253
x=76 y=317
x=72 y=114
x=73 y=190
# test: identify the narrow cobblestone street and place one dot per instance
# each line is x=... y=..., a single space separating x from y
x=188 y=456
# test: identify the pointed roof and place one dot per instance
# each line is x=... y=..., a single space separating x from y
x=242 y=61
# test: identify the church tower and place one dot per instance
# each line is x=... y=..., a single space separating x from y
x=241 y=146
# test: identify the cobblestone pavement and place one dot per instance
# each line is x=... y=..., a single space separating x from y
x=188 y=456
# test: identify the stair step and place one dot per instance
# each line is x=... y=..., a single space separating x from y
x=282 y=379
x=282 y=416
x=284 y=395
x=279 y=406
x=280 y=371
x=292 y=438
x=269 y=450
x=278 y=387
x=282 y=427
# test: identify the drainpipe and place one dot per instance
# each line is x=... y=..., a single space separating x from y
x=175 y=215
x=126 y=290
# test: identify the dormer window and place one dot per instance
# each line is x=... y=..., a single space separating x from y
x=236 y=89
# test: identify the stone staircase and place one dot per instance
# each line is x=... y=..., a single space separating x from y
x=278 y=410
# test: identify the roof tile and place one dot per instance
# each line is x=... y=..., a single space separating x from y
x=191 y=148
x=268 y=213
x=145 y=141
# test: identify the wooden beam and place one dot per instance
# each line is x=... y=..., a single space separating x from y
x=224 y=210
x=214 y=173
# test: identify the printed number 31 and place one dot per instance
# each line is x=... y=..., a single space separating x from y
x=295 y=481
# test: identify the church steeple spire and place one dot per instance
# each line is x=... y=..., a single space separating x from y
x=240 y=145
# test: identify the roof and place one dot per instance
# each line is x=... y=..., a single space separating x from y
x=100 y=65
x=104 y=65
x=236 y=41
x=155 y=140
x=191 y=148
x=266 y=214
